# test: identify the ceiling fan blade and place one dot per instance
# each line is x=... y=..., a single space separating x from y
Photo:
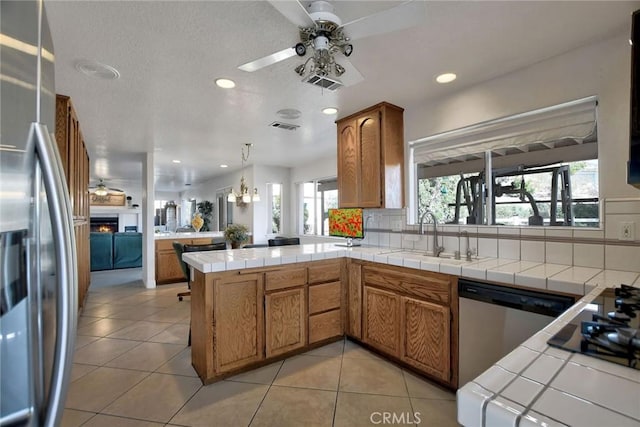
x=268 y=60
x=351 y=75
x=294 y=11
x=405 y=15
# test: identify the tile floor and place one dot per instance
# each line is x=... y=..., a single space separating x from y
x=132 y=367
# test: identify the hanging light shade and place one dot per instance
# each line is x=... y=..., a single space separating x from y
x=256 y=196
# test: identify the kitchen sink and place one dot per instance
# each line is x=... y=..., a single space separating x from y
x=443 y=258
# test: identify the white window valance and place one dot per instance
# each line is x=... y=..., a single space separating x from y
x=573 y=122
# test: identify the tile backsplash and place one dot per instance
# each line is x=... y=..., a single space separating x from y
x=597 y=248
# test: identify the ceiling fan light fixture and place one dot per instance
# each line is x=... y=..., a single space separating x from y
x=347 y=50
x=225 y=83
x=339 y=69
x=446 y=78
x=101 y=190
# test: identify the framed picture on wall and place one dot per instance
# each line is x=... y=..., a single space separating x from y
x=108 y=200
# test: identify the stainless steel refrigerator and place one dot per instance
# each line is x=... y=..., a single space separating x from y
x=38 y=282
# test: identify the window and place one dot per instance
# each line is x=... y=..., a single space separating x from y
x=537 y=168
x=317 y=198
x=274 y=208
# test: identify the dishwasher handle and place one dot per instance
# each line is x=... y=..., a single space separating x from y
x=520 y=299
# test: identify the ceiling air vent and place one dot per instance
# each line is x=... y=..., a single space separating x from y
x=324 y=82
x=285 y=126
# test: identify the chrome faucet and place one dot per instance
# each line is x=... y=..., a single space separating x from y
x=469 y=250
x=437 y=250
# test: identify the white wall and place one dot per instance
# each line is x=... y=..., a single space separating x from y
x=261 y=218
x=601 y=69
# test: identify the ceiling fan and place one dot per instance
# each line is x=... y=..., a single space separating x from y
x=322 y=33
x=102 y=190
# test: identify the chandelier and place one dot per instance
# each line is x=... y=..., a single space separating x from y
x=243 y=197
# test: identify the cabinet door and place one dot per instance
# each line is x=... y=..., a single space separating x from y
x=238 y=321
x=381 y=320
x=370 y=173
x=285 y=321
x=348 y=165
x=168 y=269
x=426 y=337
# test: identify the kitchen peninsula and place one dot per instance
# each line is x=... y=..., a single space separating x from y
x=236 y=323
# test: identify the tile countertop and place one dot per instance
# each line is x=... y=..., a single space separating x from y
x=189 y=235
x=535 y=384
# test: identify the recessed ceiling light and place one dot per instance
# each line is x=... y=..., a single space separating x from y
x=176 y=161
x=224 y=166
x=225 y=83
x=330 y=110
x=446 y=78
x=289 y=113
x=97 y=70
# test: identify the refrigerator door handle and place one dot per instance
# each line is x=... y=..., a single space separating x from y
x=64 y=239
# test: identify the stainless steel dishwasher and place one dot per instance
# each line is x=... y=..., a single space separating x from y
x=495 y=319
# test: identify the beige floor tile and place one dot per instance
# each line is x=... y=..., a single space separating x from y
x=73 y=418
x=94 y=391
x=102 y=310
x=263 y=375
x=87 y=320
x=419 y=387
x=134 y=313
x=157 y=398
x=310 y=372
x=179 y=365
x=372 y=376
x=171 y=315
x=355 y=410
x=136 y=300
x=103 y=350
x=79 y=370
x=82 y=340
x=168 y=300
x=222 y=404
x=101 y=420
x=104 y=327
x=355 y=351
x=330 y=350
x=435 y=412
x=140 y=330
x=147 y=356
x=174 y=334
x=287 y=406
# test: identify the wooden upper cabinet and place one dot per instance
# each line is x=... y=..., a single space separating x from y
x=371 y=158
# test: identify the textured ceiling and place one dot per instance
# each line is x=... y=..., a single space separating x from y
x=169 y=54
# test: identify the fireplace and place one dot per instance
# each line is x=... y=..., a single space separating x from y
x=107 y=224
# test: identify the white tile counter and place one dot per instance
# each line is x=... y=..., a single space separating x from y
x=190 y=235
x=535 y=384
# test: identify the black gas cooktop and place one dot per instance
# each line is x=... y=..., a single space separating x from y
x=607 y=328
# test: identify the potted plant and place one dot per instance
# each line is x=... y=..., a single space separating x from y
x=237 y=234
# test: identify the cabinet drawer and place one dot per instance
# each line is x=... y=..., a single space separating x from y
x=324 y=297
x=325 y=271
x=431 y=286
x=166 y=244
x=200 y=241
x=325 y=325
x=286 y=278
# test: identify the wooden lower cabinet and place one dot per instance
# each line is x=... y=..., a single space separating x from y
x=285 y=321
x=381 y=320
x=408 y=314
x=354 y=301
x=238 y=321
x=426 y=337
x=168 y=269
